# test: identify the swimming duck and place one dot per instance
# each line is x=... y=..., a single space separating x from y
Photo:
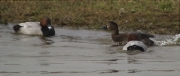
x=135 y=45
x=123 y=38
x=36 y=28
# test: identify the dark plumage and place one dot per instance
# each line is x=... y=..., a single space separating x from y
x=16 y=28
x=123 y=38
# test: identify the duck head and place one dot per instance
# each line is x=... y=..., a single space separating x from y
x=112 y=26
x=46 y=27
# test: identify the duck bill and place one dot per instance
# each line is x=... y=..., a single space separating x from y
x=104 y=27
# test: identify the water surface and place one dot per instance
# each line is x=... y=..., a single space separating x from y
x=82 y=53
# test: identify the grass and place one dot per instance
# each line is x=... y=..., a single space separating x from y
x=153 y=16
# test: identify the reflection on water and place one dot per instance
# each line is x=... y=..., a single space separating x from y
x=46 y=40
x=80 y=53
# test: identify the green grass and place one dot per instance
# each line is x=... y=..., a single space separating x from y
x=153 y=16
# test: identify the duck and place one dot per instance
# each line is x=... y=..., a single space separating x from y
x=123 y=38
x=43 y=28
x=135 y=45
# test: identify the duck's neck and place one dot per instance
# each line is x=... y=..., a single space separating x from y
x=115 y=32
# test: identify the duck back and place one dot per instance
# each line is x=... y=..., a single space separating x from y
x=30 y=28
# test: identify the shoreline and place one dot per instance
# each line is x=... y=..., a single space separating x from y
x=156 y=17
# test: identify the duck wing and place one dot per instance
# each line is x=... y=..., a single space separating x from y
x=144 y=35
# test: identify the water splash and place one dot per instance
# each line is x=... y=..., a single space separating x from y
x=174 y=40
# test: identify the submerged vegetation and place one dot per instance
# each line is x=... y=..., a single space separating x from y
x=153 y=16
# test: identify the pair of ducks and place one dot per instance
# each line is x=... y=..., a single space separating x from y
x=133 y=40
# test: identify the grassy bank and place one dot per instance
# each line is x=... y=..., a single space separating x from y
x=154 y=16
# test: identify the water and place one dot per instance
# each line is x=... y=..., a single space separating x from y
x=83 y=53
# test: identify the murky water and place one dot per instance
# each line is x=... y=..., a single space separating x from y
x=81 y=53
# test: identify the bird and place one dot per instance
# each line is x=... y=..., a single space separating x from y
x=123 y=38
x=43 y=28
x=135 y=45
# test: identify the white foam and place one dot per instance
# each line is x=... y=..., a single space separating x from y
x=175 y=40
